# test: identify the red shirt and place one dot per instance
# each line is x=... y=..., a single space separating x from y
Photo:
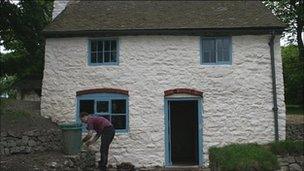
x=97 y=123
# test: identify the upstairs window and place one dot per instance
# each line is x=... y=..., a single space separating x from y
x=103 y=52
x=216 y=50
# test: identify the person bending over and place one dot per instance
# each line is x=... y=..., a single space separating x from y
x=103 y=128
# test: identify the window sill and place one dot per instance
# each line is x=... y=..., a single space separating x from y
x=214 y=64
x=104 y=64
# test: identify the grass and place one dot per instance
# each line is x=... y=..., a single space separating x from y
x=239 y=157
x=294 y=109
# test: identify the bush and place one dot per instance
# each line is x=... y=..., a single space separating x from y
x=287 y=147
x=239 y=157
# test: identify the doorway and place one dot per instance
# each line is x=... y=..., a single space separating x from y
x=183 y=131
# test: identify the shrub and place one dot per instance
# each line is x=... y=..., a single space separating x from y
x=287 y=147
x=239 y=157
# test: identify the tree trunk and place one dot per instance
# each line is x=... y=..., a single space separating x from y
x=300 y=25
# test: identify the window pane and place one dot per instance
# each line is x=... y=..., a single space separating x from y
x=222 y=49
x=208 y=51
x=100 y=46
x=100 y=57
x=93 y=45
x=107 y=117
x=118 y=106
x=102 y=107
x=113 y=56
x=107 y=56
x=226 y=51
x=93 y=57
x=107 y=45
x=113 y=45
x=119 y=122
x=86 y=106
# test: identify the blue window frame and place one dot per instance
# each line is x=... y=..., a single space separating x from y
x=216 y=50
x=103 y=51
x=112 y=106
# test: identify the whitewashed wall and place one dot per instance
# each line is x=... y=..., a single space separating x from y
x=237 y=98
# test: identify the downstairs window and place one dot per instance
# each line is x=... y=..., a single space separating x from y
x=113 y=107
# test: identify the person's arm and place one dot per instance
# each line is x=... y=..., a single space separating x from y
x=93 y=140
x=88 y=136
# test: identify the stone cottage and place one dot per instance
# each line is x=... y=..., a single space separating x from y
x=174 y=77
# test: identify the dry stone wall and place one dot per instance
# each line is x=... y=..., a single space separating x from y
x=295 y=131
x=291 y=163
x=30 y=141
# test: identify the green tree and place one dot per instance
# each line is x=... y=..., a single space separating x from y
x=21 y=28
x=293 y=71
x=290 y=12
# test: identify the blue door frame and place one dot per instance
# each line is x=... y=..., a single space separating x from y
x=168 y=161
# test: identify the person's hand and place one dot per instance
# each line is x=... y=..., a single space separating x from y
x=88 y=143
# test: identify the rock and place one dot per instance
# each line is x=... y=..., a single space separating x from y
x=22 y=148
x=52 y=165
x=2 y=151
x=4 y=143
x=31 y=143
x=283 y=161
x=30 y=133
x=25 y=138
x=19 y=142
x=290 y=159
x=6 y=151
x=3 y=133
x=295 y=167
x=42 y=138
x=125 y=167
x=24 y=141
x=27 y=150
x=14 y=150
x=12 y=134
x=68 y=163
x=284 y=168
x=300 y=160
x=12 y=143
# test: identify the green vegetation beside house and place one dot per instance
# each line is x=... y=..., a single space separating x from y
x=294 y=109
x=287 y=147
x=238 y=157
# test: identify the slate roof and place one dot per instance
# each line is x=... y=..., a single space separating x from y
x=85 y=16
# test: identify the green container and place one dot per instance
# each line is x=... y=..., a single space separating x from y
x=71 y=138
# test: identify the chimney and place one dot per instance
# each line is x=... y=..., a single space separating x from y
x=59 y=6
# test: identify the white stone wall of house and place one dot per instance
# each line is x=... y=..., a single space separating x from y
x=237 y=100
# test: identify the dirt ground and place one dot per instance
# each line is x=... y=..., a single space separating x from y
x=25 y=122
x=295 y=119
x=39 y=161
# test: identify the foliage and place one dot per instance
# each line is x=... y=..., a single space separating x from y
x=293 y=71
x=6 y=83
x=295 y=109
x=21 y=28
x=238 y=157
x=290 y=12
x=287 y=147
